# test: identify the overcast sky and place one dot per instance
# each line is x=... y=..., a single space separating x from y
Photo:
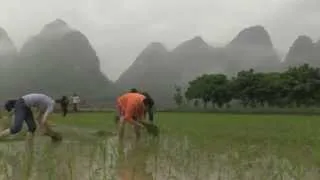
x=120 y=29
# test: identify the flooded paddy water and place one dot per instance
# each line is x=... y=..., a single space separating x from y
x=85 y=156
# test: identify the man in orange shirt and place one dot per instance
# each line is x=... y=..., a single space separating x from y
x=131 y=108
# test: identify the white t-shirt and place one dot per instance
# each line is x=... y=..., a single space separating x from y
x=75 y=99
x=43 y=102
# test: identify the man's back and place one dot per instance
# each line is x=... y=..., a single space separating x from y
x=129 y=99
x=131 y=104
x=40 y=101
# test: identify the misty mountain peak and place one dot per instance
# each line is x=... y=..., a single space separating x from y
x=151 y=53
x=59 y=52
x=198 y=41
x=58 y=23
x=304 y=38
x=6 y=44
x=192 y=44
x=3 y=32
x=252 y=36
x=300 y=51
x=56 y=27
x=302 y=42
x=156 y=46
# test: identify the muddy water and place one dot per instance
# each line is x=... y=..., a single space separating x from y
x=102 y=158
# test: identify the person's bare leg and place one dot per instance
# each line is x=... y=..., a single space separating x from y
x=121 y=129
x=120 y=134
x=41 y=126
x=44 y=126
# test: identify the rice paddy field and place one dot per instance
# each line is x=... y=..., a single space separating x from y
x=191 y=146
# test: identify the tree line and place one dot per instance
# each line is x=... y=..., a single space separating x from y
x=297 y=86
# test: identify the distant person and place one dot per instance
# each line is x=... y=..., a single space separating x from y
x=75 y=102
x=64 y=103
x=22 y=112
x=150 y=109
x=131 y=109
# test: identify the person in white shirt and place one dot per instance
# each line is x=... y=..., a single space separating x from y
x=75 y=102
x=22 y=112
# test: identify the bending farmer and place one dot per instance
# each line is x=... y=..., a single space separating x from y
x=22 y=112
x=131 y=108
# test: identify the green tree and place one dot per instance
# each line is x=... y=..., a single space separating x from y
x=296 y=86
x=245 y=85
x=303 y=87
x=196 y=103
x=221 y=92
x=200 y=88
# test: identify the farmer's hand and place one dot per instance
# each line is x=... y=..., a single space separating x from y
x=42 y=119
x=137 y=123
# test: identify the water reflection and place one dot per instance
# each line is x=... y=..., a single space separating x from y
x=132 y=164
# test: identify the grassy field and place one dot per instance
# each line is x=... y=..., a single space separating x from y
x=191 y=146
